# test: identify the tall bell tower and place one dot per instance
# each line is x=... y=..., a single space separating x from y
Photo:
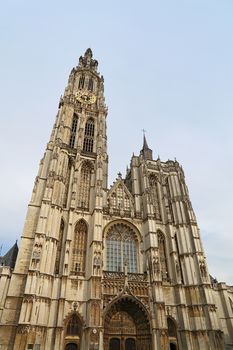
x=62 y=235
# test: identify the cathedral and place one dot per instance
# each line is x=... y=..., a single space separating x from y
x=108 y=268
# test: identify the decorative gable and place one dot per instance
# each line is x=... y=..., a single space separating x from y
x=120 y=199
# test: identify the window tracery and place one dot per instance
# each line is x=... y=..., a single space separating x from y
x=73 y=131
x=79 y=248
x=89 y=136
x=153 y=182
x=120 y=199
x=122 y=248
x=84 y=188
x=162 y=256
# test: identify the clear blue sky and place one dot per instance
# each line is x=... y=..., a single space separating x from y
x=168 y=69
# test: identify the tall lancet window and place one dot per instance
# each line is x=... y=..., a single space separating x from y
x=122 y=249
x=73 y=131
x=90 y=84
x=85 y=184
x=162 y=256
x=79 y=248
x=59 y=248
x=89 y=136
x=73 y=328
x=154 y=198
x=81 y=82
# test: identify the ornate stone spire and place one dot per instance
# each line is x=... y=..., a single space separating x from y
x=87 y=61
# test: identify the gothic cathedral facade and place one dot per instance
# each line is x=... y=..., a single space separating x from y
x=119 y=268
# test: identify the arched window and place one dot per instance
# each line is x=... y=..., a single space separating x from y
x=90 y=84
x=89 y=136
x=59 y=247
x=79 y=248
x=122 y=248
x=81 y=82
x=73 y=131
x=114 y=344
x=84 y=188
x=171 y=327
x=153 y=182
x=162 y=256
x=73 y=326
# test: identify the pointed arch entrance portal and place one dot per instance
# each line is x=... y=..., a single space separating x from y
x=127 y=326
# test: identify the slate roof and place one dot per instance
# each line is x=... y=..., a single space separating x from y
x=9 y=258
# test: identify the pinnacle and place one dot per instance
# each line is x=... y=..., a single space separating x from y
x=88 y=53
x=145 y=145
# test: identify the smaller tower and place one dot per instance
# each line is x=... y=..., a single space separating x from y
x=146 y=152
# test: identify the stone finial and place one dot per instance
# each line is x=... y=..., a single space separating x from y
x=88 y=53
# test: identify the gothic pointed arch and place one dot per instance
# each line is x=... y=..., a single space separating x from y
x=84 y=185
x=138 y=234
x=79 y=248
x=162 y=256
x=73 y=331
x=127 y=320
x=73 y=327
x=172 y=333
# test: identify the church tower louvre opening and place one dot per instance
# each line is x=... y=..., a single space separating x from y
x=98 y=268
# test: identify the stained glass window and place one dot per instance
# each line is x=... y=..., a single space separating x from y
x=122 y=248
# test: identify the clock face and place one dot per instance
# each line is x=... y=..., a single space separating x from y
x=85 y=97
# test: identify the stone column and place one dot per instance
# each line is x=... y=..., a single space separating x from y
x=101 y=341
x=154 y=340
